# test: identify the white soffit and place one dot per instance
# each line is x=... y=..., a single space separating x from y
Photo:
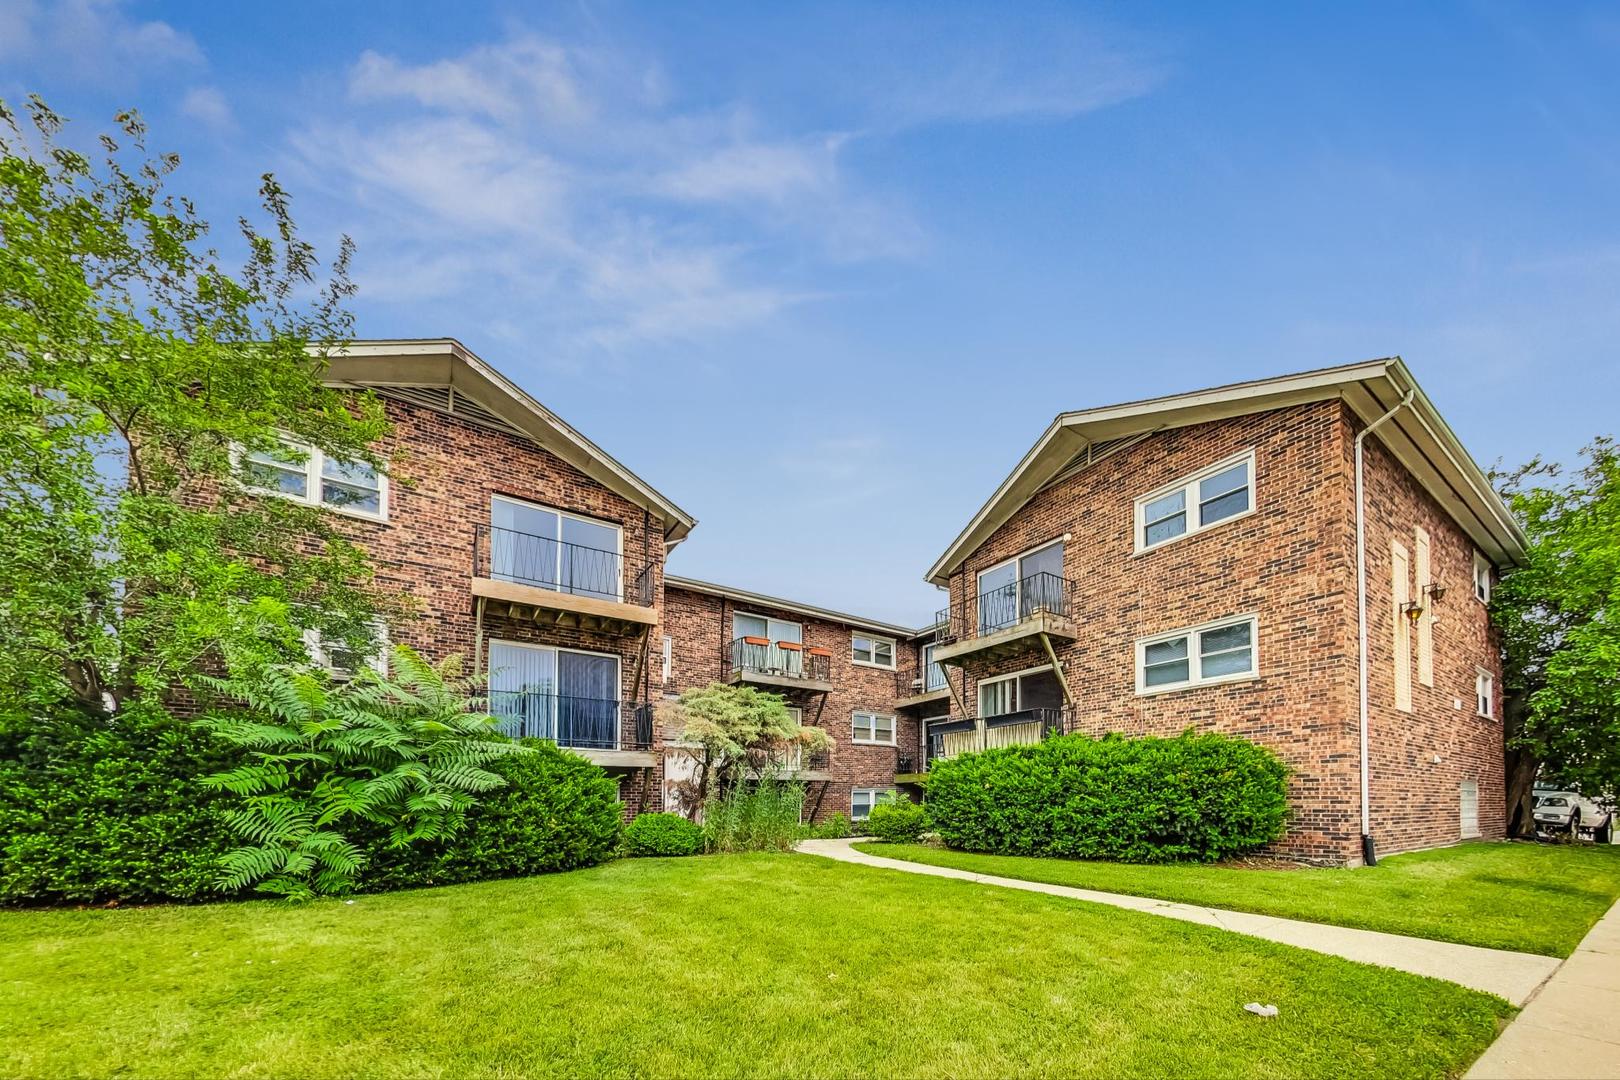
x=1418 y=438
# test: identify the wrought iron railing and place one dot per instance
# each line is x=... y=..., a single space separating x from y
x=913 y=681
x=577 y=722
x=820 y=761
x=557 y=565
x=782 y=659
x=1007 y=606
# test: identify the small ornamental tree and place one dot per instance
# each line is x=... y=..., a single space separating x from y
x=134 y=370
x=1559 y=616
x=404 y=751
x=733 y=733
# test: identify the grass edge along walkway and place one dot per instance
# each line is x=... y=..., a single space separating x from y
x=1509 y=975
x=1522 y=897
x=766 y=965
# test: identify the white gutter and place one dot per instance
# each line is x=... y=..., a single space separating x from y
x=1369 y=857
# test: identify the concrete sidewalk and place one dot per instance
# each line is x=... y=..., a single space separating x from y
x=1511 y=975
x=1571 y=1028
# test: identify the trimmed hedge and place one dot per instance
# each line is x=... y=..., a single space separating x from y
x=557 y=811
x=97 y=809
x=662 y=834
x=896 y=821
x=1193 y=798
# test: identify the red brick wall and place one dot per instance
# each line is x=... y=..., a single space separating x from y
x=445 y=472
x=1414 y=797
x=1284 y=563
x=700 y=625
x=1291 y=563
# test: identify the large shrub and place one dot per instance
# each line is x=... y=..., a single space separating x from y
x=557 y=811
x=897 y=821
x=101 y=808
x=755 y=817
x=662 y=834
x=1190 y=798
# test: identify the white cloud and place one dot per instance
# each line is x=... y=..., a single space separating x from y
x=574 y=191
x=96 y=39
x=523 y=77
x=207 y=106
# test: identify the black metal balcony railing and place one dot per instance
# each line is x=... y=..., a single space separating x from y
x=782 y=659
x=576 y=722
x=910 y=682
x=1007 y=606
x=546 y=563
x=820 y=761
x=1053 y=721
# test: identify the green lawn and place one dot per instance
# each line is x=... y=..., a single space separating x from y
x=745 y=964
x=1526 y=897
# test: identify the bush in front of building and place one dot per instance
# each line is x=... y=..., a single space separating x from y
x=557 y=811
x=1192 y=798
x=96 y=809
x=835 y=827
x=763 y=816
x=662 y=834
x=897 y=821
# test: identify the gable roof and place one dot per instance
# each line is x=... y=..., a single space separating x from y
x=809 y=610
x=444 y=374
x=1417 y=436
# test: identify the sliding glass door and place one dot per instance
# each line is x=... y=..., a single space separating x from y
x=774 y=646
x=567 y=696
x=535 y=545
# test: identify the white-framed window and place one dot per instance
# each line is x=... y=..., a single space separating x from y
x=875 y=728
x=570 y=696
x=1021 y=691
x=1223 y=492
x=553 y=549
x=1485 y=693
x=669 y=656
x=861 y=801
x=1217 y=652
x=1482 y=578
x=306 y=475
x=869 y=651
x=343 y=661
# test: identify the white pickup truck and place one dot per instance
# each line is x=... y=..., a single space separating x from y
x=1572 y=813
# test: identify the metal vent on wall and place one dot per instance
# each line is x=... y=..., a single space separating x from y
x=445 y=399
x=1094 y=452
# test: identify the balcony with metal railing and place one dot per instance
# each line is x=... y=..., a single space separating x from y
x=1008 y=619
x=781 y=665
x=548 y=580
x=948 y=736
x=918 y=686
x=606 y=731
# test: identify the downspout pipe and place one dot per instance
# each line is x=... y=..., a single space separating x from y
x=1369 y=855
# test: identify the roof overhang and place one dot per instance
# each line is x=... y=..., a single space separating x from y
x=1417 y=436
x=446 y=363
x=743 y=596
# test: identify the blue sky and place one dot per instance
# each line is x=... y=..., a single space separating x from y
x=823 y=274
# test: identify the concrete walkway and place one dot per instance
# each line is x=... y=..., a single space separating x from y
x=1511 y=975
x=1572 y=1025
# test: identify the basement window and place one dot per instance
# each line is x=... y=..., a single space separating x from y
x=861 y=801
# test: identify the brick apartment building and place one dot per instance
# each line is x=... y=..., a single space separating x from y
x=1187 y=561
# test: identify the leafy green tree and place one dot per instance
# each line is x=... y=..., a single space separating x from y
x=133 y=371
x=405 y=751
x=734 y=732
x=1559 y=617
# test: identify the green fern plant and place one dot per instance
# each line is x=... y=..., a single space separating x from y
x=405 y=750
